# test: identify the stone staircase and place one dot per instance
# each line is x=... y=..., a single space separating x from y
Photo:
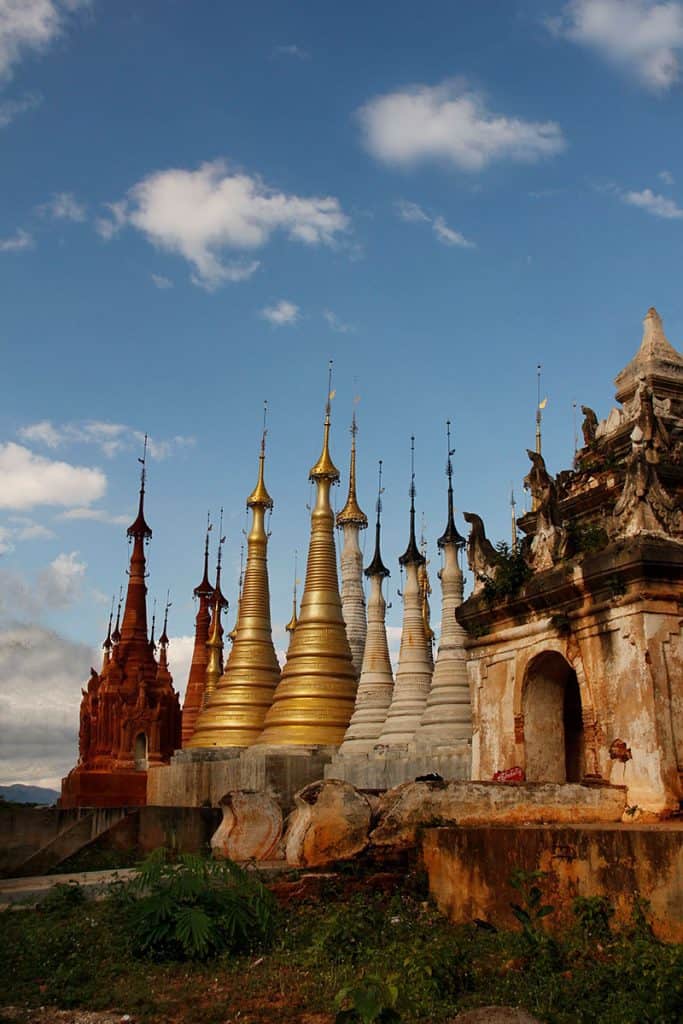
x=91 y=824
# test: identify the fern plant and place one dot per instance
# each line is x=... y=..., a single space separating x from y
x=196 y=908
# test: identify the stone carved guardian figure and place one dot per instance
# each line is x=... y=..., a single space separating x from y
x=589 y=425
x=550 y=540
x=644 y=505
x=482 y=557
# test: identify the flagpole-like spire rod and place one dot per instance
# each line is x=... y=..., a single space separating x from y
x=154 y=619
x=576 y=436
x=379 y=492
x=538 y=409
x=513 y=515
x=412 y=473
x=328 y=407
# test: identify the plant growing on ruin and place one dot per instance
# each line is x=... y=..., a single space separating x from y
x=196 y=908
x=593 y=914
x=530 y=911
x=510 y=575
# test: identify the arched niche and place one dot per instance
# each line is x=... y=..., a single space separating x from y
x=141 y=751
x=554 y=740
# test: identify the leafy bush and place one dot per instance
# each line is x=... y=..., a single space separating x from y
x=510 y=575
x=62 y=899
x=372 y=1001
x=196 y=908
x=593 y=915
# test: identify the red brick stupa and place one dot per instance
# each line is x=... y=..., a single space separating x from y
x=196 y=683
x=130 y=713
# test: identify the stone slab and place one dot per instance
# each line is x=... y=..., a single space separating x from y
x=393 y=767
x=469 y=871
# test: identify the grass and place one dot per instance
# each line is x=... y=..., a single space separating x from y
x=71 y=952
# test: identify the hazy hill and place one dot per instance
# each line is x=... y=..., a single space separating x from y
x=19 y=794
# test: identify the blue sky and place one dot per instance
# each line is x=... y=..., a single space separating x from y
x=202 y=203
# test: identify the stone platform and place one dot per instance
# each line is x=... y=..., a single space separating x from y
x=84 y=787
x=202 y=776
x=386 y=767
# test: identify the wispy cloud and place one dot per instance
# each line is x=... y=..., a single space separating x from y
x=11 y=109
x=63 y=206
x=18 y=529
x=16 y=242
x=31 y=26
x=335 y=324
x=292 y=50
x=110 y=438
x=666 y=177
x=281 y=313
x=452 y=124
x=414 y=214
x=642 y=37
x=651 y=202
x=96 y=515
x=199 y=214
x=161 y=282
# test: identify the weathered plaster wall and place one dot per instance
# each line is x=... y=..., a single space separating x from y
x=469 y=870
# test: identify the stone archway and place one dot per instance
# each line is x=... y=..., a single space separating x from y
x=553 y=723
x=141 y=752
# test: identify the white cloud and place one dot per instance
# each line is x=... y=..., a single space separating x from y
x=96 y=515
x=414 y=214
x=21 y=528
x=180 y=650
x=29 y=480
x=640 y=36
x=658 y=206
x=667 y=177
x=110 y=438
x=64 y=206
x=161 y=282
x=336 y=324
x=60 y=584
x=283 y=312
x=201 y=213
x=11 y=109
x=109 y=227
x=31 y=26
x=451 y=124
x=15 y=243
x=292 y=50
x=42 y=675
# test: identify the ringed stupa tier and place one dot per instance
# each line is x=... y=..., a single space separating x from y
x=351 y=520
x=448 y=712
x=414 y=673
x=376 y=678
x=194 y=694
x=235 y=712
x=130 y=713
x=314 y=700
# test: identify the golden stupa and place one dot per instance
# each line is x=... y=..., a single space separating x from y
x=314 y=700
x=234 y=715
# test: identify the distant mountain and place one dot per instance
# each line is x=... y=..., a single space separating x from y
x=19 y=794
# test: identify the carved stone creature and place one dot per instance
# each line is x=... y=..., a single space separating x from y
x=654 y=432
x=482 y=557
x=550 y=540
x=251 y=828
x=589 y=425
x=330 y=821
x=644 y=504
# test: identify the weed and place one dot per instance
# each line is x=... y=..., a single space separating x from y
x=593 y=915
x=372 y=999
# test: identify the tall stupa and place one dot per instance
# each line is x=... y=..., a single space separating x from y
x=448 y=713
x=351 y=520
x=414 y=672
x=314 y=700
x=235 y=713
x=194 y=694
x=376 y=677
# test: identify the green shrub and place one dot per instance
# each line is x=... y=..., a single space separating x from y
x=510 y=574
x=593 y=915
x=61 y=899
x=372 y=1000
x=196 y=908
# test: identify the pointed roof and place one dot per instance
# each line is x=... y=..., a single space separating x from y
x=656 y=357
x=325 y=468
x=377 y=566
x=352 y=512
x=205 y=589
x=412 y=554
x=259 y=497
x=450 y=534
x=139 y=528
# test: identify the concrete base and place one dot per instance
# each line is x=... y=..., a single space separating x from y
x=384 y=768
x=202 y=777
x=469 y=871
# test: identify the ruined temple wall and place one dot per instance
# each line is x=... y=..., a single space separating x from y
x=628 y=660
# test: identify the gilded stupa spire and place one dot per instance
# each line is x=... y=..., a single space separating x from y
x=352 y=513
x=351 y=520
x=214 y=665
x=291 y=625
x=314 y=699
x=234 y=714
x=233 y=632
